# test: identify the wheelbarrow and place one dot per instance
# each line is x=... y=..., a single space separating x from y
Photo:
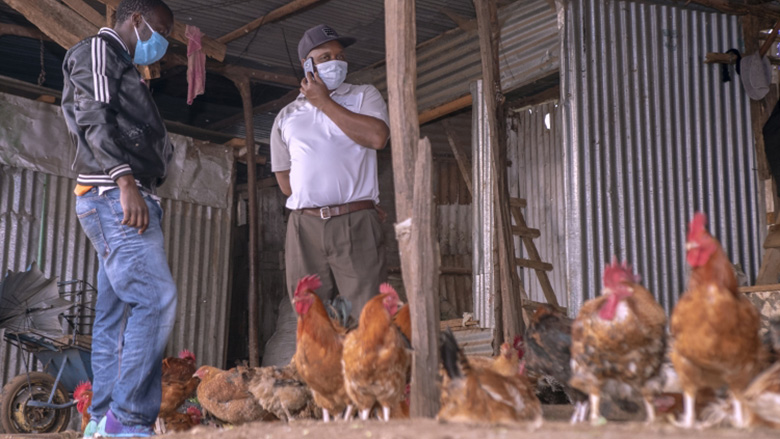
x=39 y=401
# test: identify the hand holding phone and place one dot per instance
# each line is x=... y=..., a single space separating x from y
x=308 y=67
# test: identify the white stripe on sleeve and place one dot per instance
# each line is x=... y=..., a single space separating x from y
x=99 y=78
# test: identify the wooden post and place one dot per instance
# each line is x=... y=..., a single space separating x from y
x=59 y=22
x=511 y=302
x=245 y=88
x=110 y=16
x=759 y=110
x=275 y=15
x=412 y=173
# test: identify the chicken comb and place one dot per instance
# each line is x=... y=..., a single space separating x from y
x=616 y=273
x=81 y=388
x=309 y=283
x=697 y=226
x=386 y=288
x=518 y=342
x=185 y=354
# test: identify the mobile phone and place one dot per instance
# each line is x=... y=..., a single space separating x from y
x=308 y=66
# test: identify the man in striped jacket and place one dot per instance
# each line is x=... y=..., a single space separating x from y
x=122 y=155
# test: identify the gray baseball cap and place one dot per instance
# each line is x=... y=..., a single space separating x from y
x=319 y=35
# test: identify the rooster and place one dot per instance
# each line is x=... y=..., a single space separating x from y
x=319 y=349
x=82 y=394
x=714 y=328
x=280 y=391
x=178 y=384
x=225 y=394
x=376 y=356
x=549 y=353
x=482 y=395
x=618 y=336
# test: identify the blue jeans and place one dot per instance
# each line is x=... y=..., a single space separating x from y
x=135 y=310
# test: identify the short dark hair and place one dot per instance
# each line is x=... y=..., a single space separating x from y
x=128 y=7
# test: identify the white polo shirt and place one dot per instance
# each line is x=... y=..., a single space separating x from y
x=327 y=168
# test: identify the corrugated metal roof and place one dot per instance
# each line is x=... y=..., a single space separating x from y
x=274 y=44
x=652 y=134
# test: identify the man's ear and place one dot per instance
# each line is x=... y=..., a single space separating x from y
x=137 y=19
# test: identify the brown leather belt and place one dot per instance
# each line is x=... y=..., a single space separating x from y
x=342 y=209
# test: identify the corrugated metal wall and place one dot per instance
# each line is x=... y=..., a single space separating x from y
x=651 y=134
x=446 y=65
x=197 y=240
x=536 y=174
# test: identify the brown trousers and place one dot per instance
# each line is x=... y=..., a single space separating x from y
x=347 y=252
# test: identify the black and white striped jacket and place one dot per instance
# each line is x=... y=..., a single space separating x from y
x=111 y=115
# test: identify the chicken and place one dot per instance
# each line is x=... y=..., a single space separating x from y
x=178 y=384
x=82 y=394
x=376 y=356
x=763 y=397
x=618 y=336
x=183 y=421
x=403 y=320
x=482 y=395
x=225 y=394
x=714 y=328
x=549 y=353
x=319 y=350
x=281 y=391
x=506 y=363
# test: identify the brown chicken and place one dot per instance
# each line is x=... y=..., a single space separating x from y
x=763 y=397
x=82 y=394
x=183 y=421
x=714 y=328
x=548 y=354
x=281 y=391
x=618 y=336
x=178 y=384
x=376 y=357
x=319 y=350
x=225 y=394
x=482 y=395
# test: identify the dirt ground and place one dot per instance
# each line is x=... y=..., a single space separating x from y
x=555 y=425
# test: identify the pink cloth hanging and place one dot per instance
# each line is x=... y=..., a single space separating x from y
x=196 y=64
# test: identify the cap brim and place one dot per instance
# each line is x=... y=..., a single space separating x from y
x=346 y=41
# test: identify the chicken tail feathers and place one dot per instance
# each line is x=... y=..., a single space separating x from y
x=452 y=357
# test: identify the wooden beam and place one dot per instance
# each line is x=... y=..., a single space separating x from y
x=255 y=75
x=444 y=109
x=511 y=301
x=759 y=110
x=86 y=11
x=517 y=202
x=22 y=31
x=110 y=16
x=277 y=14
x=525 y=232
x=730 y=58
x=461 y=156
x=211 y=47
x=535 y=265
x=60 y=23
x=412 y=175
x=245 y=89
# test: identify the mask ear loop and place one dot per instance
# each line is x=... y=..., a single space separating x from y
x=147 y=25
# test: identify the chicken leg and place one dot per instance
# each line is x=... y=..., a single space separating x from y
x=650 y=409
x=325 y=415
x=689 y=413
x=386 y=413
x=348 y=412
x=595 y=412
x=364 y=414
x=740 y=420
x=580 y=412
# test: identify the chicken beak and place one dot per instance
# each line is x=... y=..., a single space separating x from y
x=691 y=245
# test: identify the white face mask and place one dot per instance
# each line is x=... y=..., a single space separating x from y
x=333 y=73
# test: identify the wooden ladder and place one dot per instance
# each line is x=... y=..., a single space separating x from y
x=533 y=262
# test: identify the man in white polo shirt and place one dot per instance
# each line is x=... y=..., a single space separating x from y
x=323 y=152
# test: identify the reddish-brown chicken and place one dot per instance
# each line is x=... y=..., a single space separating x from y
x=376 y=357
x=225 y=394
x=549 y=353
x=82 y=394
x=183 y=421
x=281 y=391
x=482 y=395
x=618 y=336
x=319 y=350
x=178 y=384
x=714 y=328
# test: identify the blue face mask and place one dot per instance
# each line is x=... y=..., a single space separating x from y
x=149 y=51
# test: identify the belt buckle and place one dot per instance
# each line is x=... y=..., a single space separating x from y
x=325 y=212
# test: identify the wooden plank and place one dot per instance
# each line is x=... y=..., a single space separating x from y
x=533 y=254
x=536 y=265
x=518 y=202
x=758 y=112
x=211 y=47
x=110 y=16
x=22 y=31
x=773 y=237
x=770 y=264
x=525 y=232
x=275 y=15
x=511 y=302
x=86 y=11
x=460 y=153
x=760 y=288
x=60 y=23
x=444 y=109
x=415 y=230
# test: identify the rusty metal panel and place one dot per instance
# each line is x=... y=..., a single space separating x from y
x=652 y=134
x=536 y=174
